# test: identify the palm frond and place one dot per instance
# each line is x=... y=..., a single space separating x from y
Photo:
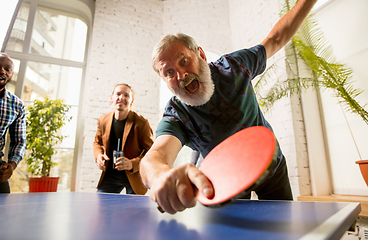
x=310 y=45
x=285 y=89
x=269 y=73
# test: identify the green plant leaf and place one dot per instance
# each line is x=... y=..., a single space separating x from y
x=44 y=120
x=310 y=46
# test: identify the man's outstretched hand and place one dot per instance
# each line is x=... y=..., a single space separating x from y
x=176 y=189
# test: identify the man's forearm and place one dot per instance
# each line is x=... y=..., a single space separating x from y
x=16 y=153
x=152 y=166
x=287 y=26
x=159 y=158
x=97 y=150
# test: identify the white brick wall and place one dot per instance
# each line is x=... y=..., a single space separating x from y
x=206 y=21
x=124 y=34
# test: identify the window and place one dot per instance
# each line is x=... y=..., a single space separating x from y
x=320 y=3
x=48 y=48
x=346 y=132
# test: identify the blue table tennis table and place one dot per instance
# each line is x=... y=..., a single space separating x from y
x=77 y=215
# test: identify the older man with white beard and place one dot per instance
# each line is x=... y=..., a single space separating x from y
x=212 y=102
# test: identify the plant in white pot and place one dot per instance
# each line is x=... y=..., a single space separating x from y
x=310 y=47
x=44 y=119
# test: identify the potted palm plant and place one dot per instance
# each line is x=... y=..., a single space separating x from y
x=310 y=47
x=44 y=119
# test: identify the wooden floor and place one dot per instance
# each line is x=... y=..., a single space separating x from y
x=340 y=198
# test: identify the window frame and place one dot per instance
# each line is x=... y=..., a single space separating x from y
x=84 y=11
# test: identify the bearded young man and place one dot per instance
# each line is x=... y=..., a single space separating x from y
x=13 y=119
x=136 y=138
x=212 y=102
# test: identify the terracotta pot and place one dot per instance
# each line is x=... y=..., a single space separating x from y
x=43 y=184
x=363 y=165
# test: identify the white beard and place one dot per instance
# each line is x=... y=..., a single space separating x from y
x=204 y=94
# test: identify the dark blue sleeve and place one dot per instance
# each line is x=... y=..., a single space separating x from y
x=170 y=126
x=253 y=59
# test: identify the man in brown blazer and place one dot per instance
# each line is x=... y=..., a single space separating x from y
x=136 y=137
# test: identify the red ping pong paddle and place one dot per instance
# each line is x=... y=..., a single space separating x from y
x=239 y=164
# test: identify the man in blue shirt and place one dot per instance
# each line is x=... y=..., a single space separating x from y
x=211 y=102
x=12 y=119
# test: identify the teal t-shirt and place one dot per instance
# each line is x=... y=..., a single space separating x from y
x=232 y=107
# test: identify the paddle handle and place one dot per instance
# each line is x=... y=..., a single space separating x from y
x=160 y=209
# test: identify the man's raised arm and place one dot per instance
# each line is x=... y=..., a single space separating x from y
x=287 y=26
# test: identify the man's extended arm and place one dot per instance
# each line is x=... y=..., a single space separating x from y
x=287 y=26
x=159 y=158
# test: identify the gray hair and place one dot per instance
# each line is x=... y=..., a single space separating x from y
x=168 y=40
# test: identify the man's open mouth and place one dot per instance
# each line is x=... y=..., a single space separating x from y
x=192 y=86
